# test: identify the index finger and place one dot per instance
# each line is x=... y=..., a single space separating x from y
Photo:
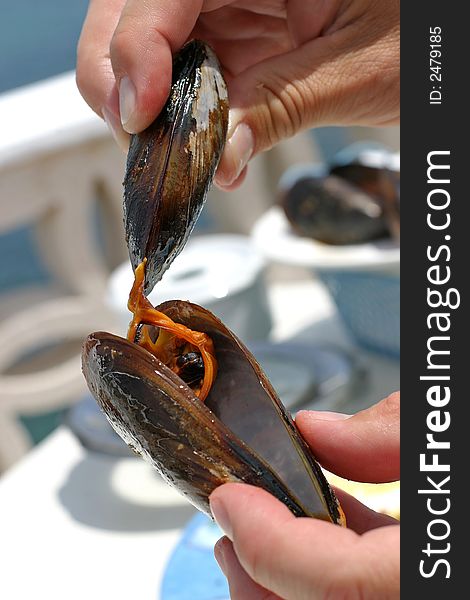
x=147 y=35
x=95 y=77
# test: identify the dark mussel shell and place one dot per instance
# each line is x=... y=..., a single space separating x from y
x=241 y=433
x=380 y=183
x=355 y=201
x=334 y=211
x=171 y=164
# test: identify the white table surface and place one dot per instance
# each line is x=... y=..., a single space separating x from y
x=75 y=524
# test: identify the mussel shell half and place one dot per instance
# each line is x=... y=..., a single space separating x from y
x=170 y=165
x=241 y=433
x=161 y=419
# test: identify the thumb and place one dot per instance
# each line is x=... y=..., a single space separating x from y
x=364 y=447
x=348 y=76
x=300 y=558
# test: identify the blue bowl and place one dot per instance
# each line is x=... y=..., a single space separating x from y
x=369 y=306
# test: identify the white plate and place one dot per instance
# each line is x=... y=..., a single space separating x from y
x=274 y=237
x=209 y=268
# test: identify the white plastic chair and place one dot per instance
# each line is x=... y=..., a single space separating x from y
x=57 y=161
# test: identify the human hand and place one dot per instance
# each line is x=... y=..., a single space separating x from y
x=289 y=65
x=268 y=553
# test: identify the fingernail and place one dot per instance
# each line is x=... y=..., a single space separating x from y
x=325 y=415
x=120 y=136
x=127 y=102
x=221 y=516
x=237 y=152
x=220 y=555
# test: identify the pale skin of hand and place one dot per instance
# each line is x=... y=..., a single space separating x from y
x=268 y=554
x=290 y=65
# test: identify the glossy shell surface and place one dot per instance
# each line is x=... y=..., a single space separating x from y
x=355 y=201
x=332 y=210
x=241 y=433
x=171 y=164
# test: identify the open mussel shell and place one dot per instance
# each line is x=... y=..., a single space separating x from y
x=170 y=165
x=242 y=433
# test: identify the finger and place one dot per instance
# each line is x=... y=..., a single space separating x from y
x=210 y=5
x=95 y=77
x=359 y=517
x=305 y=558
x=234 y=185
x=364 y=447
x=121 y=137
x=242 y=587
x=238 y=150
x=330 y=80
x=141 y=55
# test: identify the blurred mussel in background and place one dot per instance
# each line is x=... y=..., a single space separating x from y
x=340 y=219
x=353 y=200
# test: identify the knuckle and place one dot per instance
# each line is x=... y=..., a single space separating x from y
x=392 y=404
x=120 y=43
x=93 y=77
x=83 y=79
x=347 y=591
x=81 y=68
x=350 y=583
x=253 y=559
x=285 y=112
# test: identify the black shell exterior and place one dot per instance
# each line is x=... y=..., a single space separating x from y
x=334 y=211
x=170 y=165
x=353 y=202
x=242 y=433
